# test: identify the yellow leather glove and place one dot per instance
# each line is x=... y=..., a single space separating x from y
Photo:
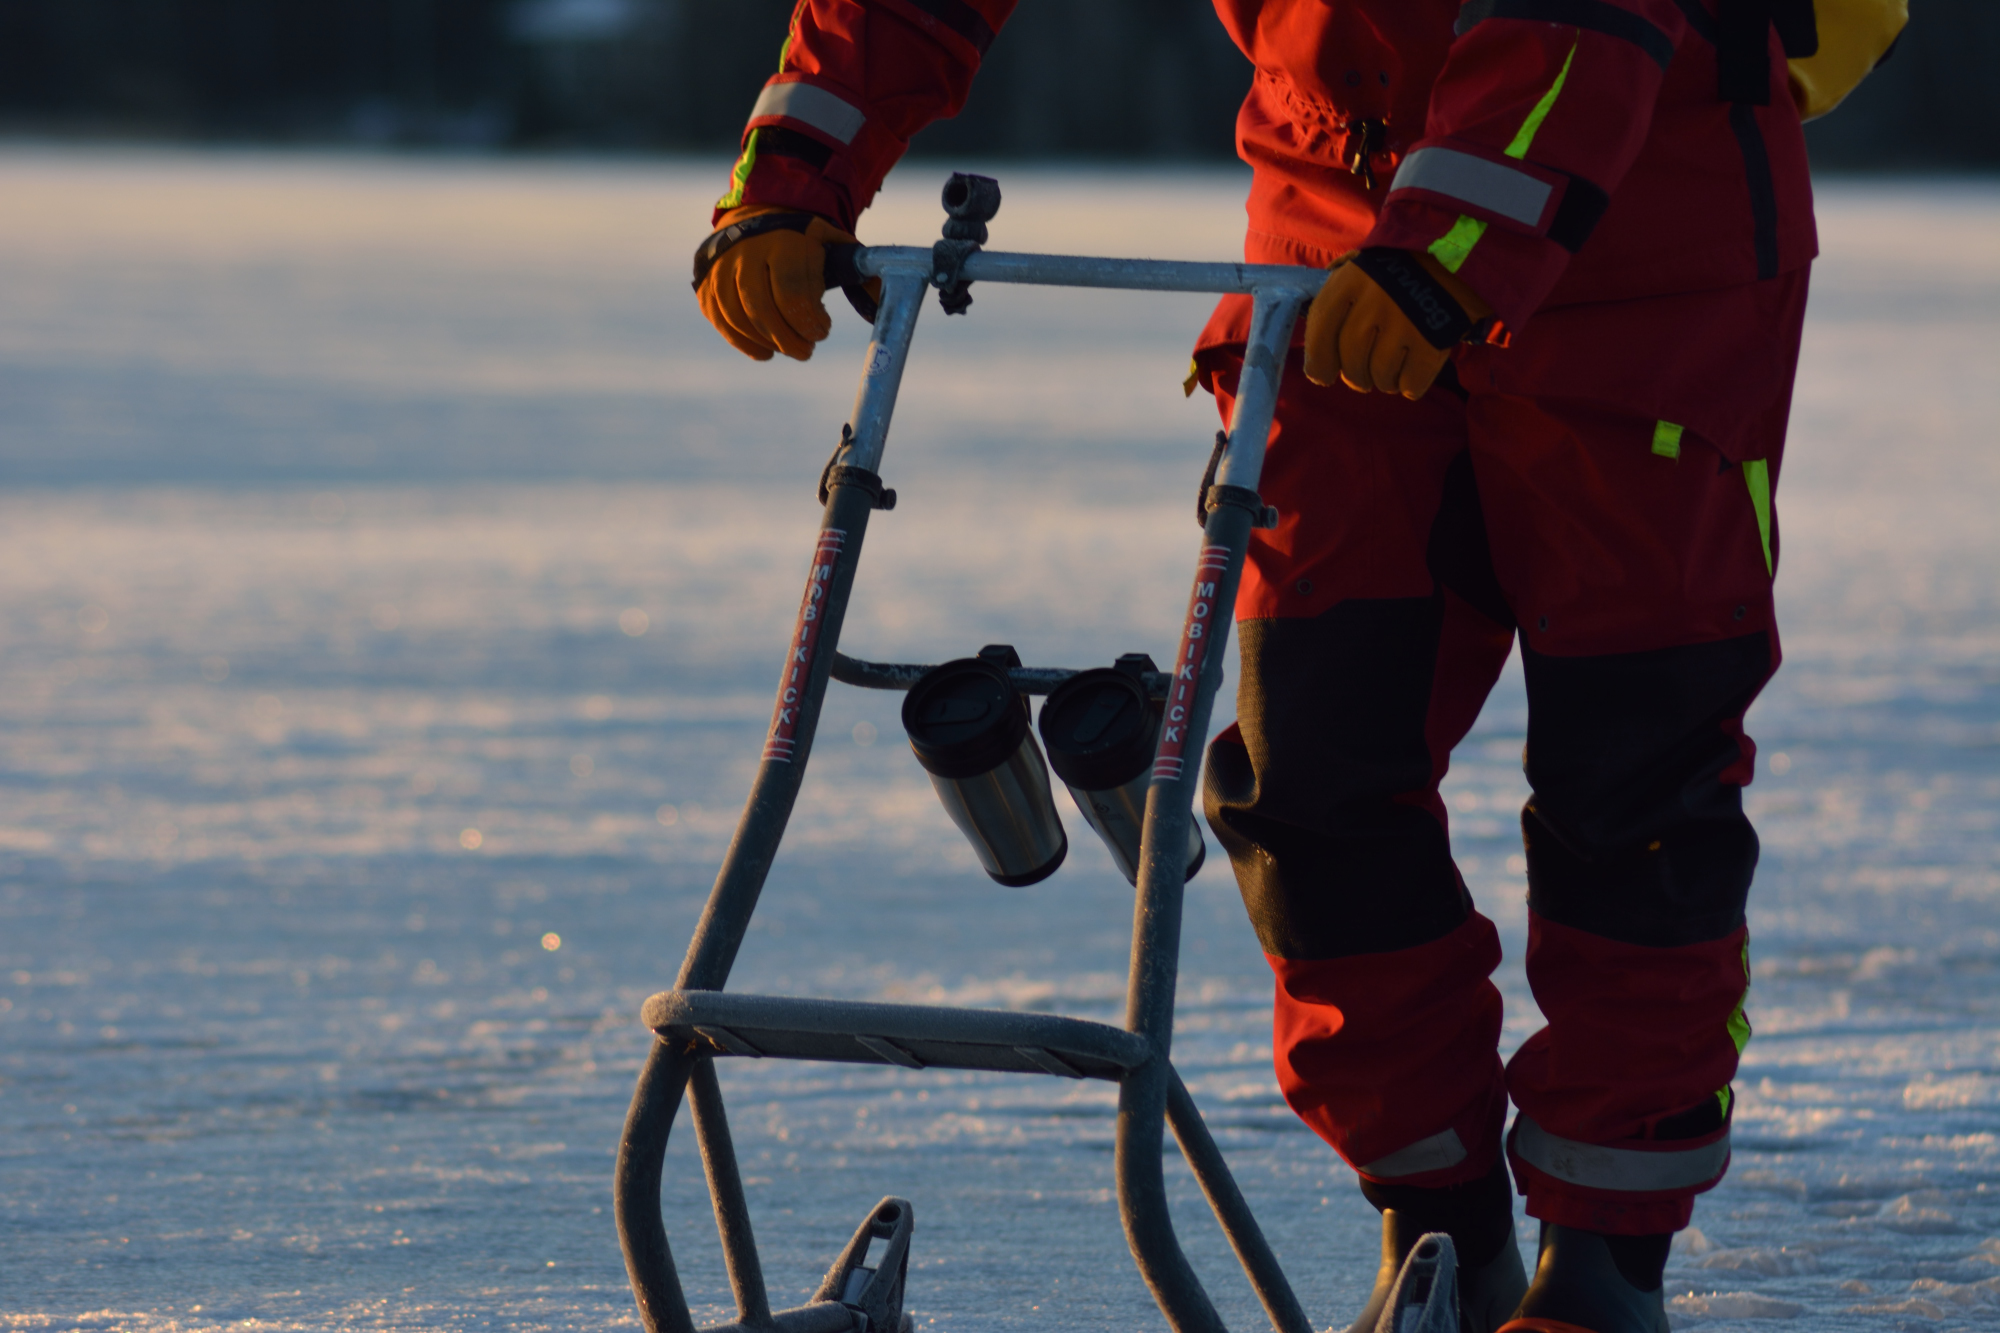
x=763 y=292
x=1387 y=320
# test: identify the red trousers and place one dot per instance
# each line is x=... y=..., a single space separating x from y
x=1633 y=560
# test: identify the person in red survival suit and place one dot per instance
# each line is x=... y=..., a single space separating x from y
x=1545 y=395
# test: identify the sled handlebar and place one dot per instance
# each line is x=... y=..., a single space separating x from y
x=1150 y=275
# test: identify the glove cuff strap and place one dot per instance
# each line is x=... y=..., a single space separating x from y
x=1427 y=303
x=718 y=243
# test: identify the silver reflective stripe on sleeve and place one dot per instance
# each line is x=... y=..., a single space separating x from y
x=1432 y=1154
x=1473 y=180
x=814 y=106
x=1621 y=1169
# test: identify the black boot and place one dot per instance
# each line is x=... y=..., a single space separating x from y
x=1591 y=1283
x=1479 y=1218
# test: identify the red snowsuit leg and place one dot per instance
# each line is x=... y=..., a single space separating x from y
x=1638 y=559
x=1360 y=675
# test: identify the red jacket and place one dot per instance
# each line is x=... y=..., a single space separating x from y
x=1543 y=125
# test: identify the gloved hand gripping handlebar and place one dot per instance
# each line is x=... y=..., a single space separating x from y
x=840 y=269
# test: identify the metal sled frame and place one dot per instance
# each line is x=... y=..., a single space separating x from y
x=697 y=1022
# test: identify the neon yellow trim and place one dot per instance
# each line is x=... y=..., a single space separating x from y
x=1526 y=134
x=1739 y=1023
x=739 y=178
x=1739 y=1026
x=1757 y=476
x=1667 y=439
x=1193 y=378
x=1452 y=248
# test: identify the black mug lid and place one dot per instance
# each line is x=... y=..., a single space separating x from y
x=1098 y=729
x=964 y=718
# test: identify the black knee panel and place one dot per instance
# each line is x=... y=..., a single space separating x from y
x=1331 y=714
x=1631 y=833
x=1685 y=887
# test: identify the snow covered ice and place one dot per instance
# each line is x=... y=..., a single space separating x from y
x=394 y=572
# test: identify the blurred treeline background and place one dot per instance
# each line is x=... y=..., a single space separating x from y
x=1101 y=78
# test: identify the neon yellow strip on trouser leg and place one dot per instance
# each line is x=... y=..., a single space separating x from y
x=1739 y=1022
x=1757 y=476
x=1667 y=439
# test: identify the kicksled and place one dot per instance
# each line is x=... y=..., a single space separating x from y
x=1126 y=740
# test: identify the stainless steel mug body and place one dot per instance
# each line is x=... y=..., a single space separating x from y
x=1119 y=817
x=1101 y=730
x=1008 y=815
x=969 y=729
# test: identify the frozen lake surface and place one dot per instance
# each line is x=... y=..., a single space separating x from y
x=393 y=574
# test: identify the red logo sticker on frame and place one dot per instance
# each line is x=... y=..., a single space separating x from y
x=1170 y=760
x=783 y=742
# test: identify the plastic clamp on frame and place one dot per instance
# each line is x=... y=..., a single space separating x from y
x=1242 y=497
x=839 y=474
x=1214 y=497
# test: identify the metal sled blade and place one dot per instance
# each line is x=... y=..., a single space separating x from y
x=874 y=1290
x=819 y=1317
x=1425 y=1297
x=856 y=1296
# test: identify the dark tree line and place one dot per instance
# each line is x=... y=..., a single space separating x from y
x=1126 y=78
x=243 y=68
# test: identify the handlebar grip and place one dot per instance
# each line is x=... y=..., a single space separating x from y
x=841 y=271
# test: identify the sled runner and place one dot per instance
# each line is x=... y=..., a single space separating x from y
x=977 y=730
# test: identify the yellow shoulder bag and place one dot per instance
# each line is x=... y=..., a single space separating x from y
x=1854 y=36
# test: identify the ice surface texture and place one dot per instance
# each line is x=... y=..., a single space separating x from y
x=393 y=576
